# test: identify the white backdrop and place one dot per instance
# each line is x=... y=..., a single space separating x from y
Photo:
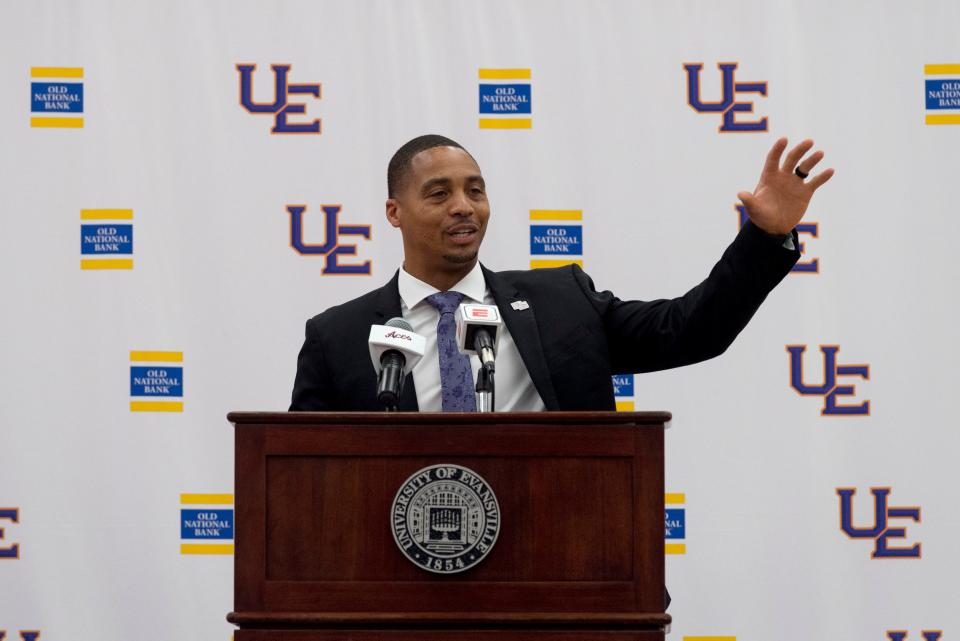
x=95 y=490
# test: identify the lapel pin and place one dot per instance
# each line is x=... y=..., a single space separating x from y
x=520 y=305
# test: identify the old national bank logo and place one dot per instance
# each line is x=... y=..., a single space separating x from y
x=156 y=381
x=942 y=94
x=285 y=102
x=732 y=101
x=623 y=392
x=881 y=531
x=812 y=229
x=332 y=249
x=830 y=389
x=505 y=99
x=903 y=635
x=675 y=523
x=556 y=237
x=56 y=97
x=206 y=524
x=106 y=239
x=8 y=550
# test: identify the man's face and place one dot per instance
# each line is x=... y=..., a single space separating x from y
x=441 y=209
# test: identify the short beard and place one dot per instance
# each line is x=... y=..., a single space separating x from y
x=460 y=259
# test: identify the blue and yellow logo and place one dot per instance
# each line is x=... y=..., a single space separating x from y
x=556 y=237
x=623 y=387
x=675 y=523
x=106 y=239
x=942 y=94
x=156 y=381
x=56 y=97
x=505 y=99
x=11 y=551
x=206 y=524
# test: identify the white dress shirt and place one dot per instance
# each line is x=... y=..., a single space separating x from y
x=514 y=388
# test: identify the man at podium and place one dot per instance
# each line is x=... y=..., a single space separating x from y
x=561 y=340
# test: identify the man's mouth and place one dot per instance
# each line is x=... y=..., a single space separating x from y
x=463 y=233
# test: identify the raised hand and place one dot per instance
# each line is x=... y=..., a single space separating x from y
x=782 y=196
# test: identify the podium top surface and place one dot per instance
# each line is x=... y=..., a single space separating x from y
x=435 y=418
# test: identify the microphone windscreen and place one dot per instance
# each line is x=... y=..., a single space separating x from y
x=399 y=323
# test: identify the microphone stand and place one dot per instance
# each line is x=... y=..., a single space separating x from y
x=485 y=389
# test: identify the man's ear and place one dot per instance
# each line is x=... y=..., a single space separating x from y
x=393 y=212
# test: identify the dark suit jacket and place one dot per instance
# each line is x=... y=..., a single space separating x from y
x=572 y=338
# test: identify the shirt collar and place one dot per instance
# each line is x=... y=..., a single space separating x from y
x=413 y=290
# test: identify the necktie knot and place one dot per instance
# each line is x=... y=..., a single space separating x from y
x=445 y=302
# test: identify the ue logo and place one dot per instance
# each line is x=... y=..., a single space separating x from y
x=880 y=531
x=331 y=248
x=25 y=635
x=805 y=267
x=280 y=108
x=829 y=389
x=727 y=104
x=11 y=514
x=901 y=635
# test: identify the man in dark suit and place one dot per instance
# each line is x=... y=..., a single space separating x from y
x=562 y=339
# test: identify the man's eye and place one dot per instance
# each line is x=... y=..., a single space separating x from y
x=437 y=194
x=477 y=190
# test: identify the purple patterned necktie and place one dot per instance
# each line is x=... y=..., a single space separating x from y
x=456 y=377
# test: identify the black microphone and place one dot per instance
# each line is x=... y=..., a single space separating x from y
x=395 y=349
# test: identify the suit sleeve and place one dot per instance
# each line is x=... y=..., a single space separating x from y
x=646 y=336
x=312 y=391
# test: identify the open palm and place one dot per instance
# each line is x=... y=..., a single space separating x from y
x=782 y=196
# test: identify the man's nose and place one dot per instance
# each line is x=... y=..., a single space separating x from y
x=460 y=204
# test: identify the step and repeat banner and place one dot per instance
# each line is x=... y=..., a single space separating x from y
x=183 y=184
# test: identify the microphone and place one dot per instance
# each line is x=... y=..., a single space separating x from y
x=478 y=332
x=395 y=350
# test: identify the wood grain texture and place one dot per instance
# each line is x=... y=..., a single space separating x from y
x=581 y=503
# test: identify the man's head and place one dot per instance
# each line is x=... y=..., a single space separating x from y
x=438 y=200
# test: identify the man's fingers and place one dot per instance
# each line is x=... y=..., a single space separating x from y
x=748 y=200
x=793 y=158
x=807 y=165
x=773 y=157
x=821 y=178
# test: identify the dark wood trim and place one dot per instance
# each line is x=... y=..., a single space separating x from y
x=449 y=620
x=594 y=419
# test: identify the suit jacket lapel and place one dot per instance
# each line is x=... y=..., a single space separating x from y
x=388 y=306
x=523 y=328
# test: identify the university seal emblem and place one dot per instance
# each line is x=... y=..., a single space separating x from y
x=445 y=518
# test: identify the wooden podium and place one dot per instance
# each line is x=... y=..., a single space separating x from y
x=579 y=555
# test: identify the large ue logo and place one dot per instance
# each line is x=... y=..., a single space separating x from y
x=332 y=248
x=880 y=531
x=727 y=105
x=281 y=107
